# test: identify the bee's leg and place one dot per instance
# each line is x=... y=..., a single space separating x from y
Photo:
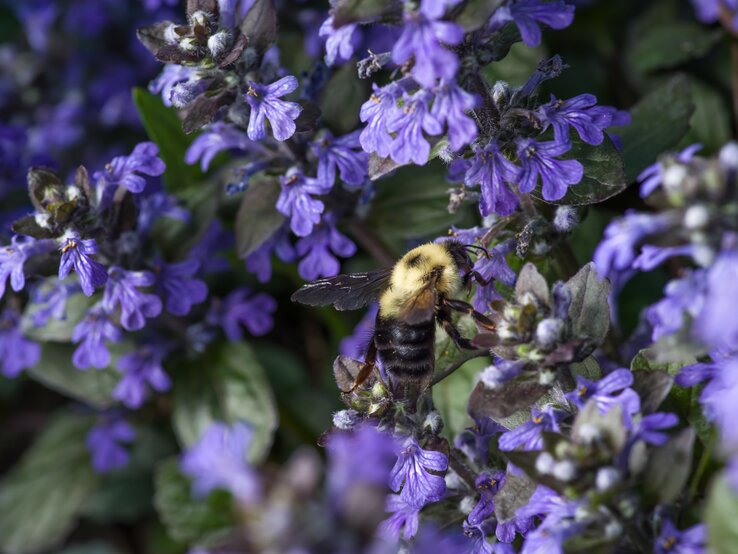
x=370 y=362
x=466 y=308
x=444 y=318
x=475 y=276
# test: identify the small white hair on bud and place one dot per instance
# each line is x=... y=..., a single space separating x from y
x=433 y=422
x=218 y=43
x=467 y=505
x=42 y=220
x=200 y=18
x=548 y=332
x=170 y=34
x=345 y=420
x=73 y=192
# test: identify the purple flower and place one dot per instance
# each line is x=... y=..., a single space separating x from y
x=319 y=250
x=377 y=112
x=124 y=170
x=650 y=427
x=216 y=138
x=218 y=461
x=339 y=43
x=493 y=172
x=505 y=531
x=296 y=201
x=91 y=333
x=135 y=306
x=617 y=251
x=141 y=367
x=409 y=143
x=355 y=459
x=673 y=541
x=694 y=374
x=579 y=112
x=558 y=522
x=105 y=443
x=153 y=207
x=16 y=352
x=265 y=103
x=493 y=267
x=718 y=399
x=528 y=435
x=709 y=11
x=179 y=287
x=170 y=77
x=716 y=323
x=242 y=308
x=487 y=486
x=538 y=158
x=52 y=301
x=653 y=256
x=681 y=296
x=14 y=256
x=474 y=441
x=412 y=468
x=603 y=393
x=421 y=40
x=652 y=177
x=77 y=254
x=528 y=14
x=343 y=153
x=259 y=262
x=450 y=106
x=403 y=515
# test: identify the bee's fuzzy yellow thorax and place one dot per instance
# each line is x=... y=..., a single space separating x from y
x=411 y=274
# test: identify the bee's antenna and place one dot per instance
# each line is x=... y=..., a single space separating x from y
x=477 y=247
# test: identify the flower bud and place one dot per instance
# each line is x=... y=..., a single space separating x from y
x=42 y=220
x=549 y=332
x=170 y=34
x=545 y=463
x=218 y=43
x=565 y=219
x=607 y=477
x=433 y=422
x=674 y=175
x=729 y=156
x=467 y=505
x=346 y=420
x=696 y=217
x=565 y=470
x=199 y=18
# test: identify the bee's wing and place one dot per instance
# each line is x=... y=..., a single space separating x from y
x=350 y=291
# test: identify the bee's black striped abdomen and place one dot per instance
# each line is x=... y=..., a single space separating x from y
x=406 y=351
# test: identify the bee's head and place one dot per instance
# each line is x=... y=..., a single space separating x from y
x=461 y=253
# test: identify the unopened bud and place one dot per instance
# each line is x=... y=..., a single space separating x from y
x=674 y=175
x=566 y=219
x=218 y=43
x=199 y=18
x=467 y=505
x=696 y=217
x=42 y=220
x=565 y=470
x=345 y=420
x=433 y=422
x=548 y=332
x=729 y=156
x=607 y=477
x=613 y=529
x=703 y=255
x=545 y=463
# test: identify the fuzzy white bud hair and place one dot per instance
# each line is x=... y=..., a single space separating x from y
x=42 y=220
x=170 y=34
x=345 y=420
x=545 y=463
x=218 y=43
x=565 y=470
x=434 y=422
x=467 y=505
x=548 y=332
x=565 y=219
x=696 y=217
x=674 y=176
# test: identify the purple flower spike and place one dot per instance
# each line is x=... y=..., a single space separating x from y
x=493 y=172
x=124 y=170
x=529 y=14
x=528 y=435
x=16 y=352
x=421 y=39
x=319 y=250
x=377 y=112
x=538 y=158
x=14 y=256
x=343 y=153
x=77 y=254
x=409 y=144
x=450 y=107
x=339 y=43
x=181 y=290
x=412 y=469
x=218 y=461
x=266 y=104
x=139 y=368
x=296 y=201
x=242 y=308
x=135 y=306
x=91 y=334
x=610 y=391
x=215 y=139
x=104 y=441
x=488 y=486
x=579 y=112
x=404 y=515
x=673 y=541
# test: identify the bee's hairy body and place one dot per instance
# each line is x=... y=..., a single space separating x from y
x=407 y=349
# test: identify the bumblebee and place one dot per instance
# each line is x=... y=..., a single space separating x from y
x=414 y=295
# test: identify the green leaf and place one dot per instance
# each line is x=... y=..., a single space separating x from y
x=721 y=513
x=226 y=384
x=41 y=497
x=669 y=45
x=658 y=123
x=604 y=174
x=669 y=467
x=56 y=330
x=56 y=371
x=710 y=121
x=346 y=85
x=164 y=127
x=365 y=11
x=589 y=309
x=450 y=395
x=515 y=68
x=476 y=13
x=257 y=218
x=413 y=204
x=189 y=520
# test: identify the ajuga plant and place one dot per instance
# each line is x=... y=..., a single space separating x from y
x=541 y=286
